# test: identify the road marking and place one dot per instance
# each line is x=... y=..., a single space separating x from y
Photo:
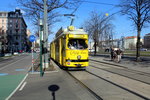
x=16 y=88
x=12 y=63
x=3 y=74
x=19 y=69
x=22 y=86
x=37 y=72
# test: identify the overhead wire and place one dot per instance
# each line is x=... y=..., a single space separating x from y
x=100 y=3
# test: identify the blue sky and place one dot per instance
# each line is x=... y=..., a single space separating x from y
x=123 y=26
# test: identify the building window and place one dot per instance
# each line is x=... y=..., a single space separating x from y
x=0 y=14
x=10 y=25
x=17 y=21
x=16 y=25
x=2 y=31
x=10 y=21
x=17 y=31
x=10 y=15
x=10 y=31
x=4 y=14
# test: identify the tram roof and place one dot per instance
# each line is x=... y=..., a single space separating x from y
x=75 y=31
x=69 y=31
x=62 y=31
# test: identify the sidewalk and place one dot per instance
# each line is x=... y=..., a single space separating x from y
x=54 y=85
x=126 y=61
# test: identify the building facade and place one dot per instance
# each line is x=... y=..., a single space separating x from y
x=124 y=43
x=131 y=41
x=16 y=32
x=3 y=31
x=147 y=41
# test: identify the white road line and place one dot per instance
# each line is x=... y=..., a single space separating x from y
x=16 y=88
x=22 y=86
x=47 y=72
x=12 y=63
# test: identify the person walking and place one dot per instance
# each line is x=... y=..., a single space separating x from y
x=112 y=53
x=119 y=53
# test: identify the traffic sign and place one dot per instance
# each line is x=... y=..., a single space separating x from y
x=32 y=38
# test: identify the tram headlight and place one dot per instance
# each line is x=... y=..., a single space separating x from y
x=78 y=57
x=68 y=63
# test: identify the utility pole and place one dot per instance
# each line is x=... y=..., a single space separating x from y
x=41 y=45
x=45 y=35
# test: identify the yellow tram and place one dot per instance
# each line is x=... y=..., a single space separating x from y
x=70 y=48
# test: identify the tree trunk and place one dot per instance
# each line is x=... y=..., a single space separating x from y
x=138 y=46
x=95 y=47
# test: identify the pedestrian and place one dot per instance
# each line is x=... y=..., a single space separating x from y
x=119 y=53
x=112 y=53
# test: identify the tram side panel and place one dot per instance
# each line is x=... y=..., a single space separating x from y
x=64 y=50
x=52 y=50
x=60 y=51
x=57 y=51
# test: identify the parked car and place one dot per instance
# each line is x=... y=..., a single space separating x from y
x=16 y=53
x=143 y=49
x=107 y=49
x=91 y=50
x=8 y=54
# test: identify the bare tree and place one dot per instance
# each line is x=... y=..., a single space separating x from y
x=139 y=12
x=34 y=9
x=99 y=28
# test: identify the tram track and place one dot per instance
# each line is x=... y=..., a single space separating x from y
x=130 y=77
x=87 y=88
x=129 y=73
x=125 y=68
x=108 y=81
x=122 y=87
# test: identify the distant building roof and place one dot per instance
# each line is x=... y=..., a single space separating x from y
x=148 y=34
x=130 y=37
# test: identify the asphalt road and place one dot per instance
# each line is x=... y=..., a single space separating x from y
x=12 y=72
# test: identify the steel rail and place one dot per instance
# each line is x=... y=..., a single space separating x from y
x=137 y=94
x=91 y=91
x=135 y=71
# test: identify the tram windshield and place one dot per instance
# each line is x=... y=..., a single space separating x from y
x=77 y=44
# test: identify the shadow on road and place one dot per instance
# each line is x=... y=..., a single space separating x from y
x=53 y=89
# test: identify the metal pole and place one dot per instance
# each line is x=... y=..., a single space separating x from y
x=32 y=57
x=45 y=35
x=41 y=45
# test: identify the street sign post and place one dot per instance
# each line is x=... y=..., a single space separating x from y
x=32 y=38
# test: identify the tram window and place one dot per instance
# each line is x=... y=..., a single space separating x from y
x=77 y=44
